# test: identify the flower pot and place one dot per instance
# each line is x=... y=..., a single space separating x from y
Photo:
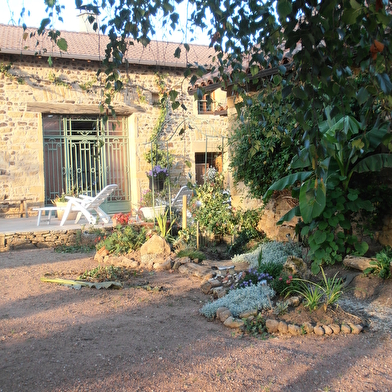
x=60 y=213
x=153 y=212
x=159 y=183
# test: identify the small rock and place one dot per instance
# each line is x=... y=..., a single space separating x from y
x=335 y=328
x=308 y=328
x=282 y=327
x=328 y=330
x=224 y=315
x=293 y=301
x=356 y=262
x=318 y=330
x=219 y=292
x=345 y=328
x=271 y=325
x=221 y=310
x=231 y=322
x=129 y=263
x=180 y=261
x=206 y=287
x=215 y=282
x=163 y=266
x=294 y=329
x=356 y=328
x=296 y=266
x=248 y=313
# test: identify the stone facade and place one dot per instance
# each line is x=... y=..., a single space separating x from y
x=28 y=83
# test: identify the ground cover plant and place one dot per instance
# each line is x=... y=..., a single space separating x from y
x=107 y=273
x=237 y=301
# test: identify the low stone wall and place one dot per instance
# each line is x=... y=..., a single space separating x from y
x=45 y=239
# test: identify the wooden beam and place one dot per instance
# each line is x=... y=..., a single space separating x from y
x=73 y=108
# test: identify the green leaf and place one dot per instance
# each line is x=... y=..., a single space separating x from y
x=254 y=69
x=384 y=83
x=173 y=95
x=300 y=93
x=286 y=91
x=312 y=199
x=319 y=237
x=355 y=5
x=373 y=163
x=333 y=221
x=177 y=52
x=362 y=96
x=315 y=267
x=361 y=247
x=322 y=225
x=284 y=8
x=277 y=79
x=175 y=105
x=289 y=215
x=62 y=44
x=287 y=181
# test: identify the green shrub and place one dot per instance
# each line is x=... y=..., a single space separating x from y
x=124 y=239
x=211 y=206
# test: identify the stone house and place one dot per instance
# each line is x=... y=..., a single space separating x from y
x=54 y=137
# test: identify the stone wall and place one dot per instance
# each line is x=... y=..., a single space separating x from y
x=30 y=81
x=46 y=239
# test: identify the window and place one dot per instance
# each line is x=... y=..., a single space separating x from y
x=207 y=104
x=213 y=159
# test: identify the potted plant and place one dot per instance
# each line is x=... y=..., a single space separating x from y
x=149 y=210
x=159 y=175
x=61 y=202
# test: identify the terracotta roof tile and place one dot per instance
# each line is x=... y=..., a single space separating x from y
x=91 y=46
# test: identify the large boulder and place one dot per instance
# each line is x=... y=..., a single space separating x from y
x=155 y=251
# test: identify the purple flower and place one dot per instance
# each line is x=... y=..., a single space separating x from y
x=158 y=171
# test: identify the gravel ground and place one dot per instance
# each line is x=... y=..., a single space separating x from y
x=57 y=339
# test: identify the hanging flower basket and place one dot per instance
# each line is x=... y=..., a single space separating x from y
x=157 y=176
x=158 y=183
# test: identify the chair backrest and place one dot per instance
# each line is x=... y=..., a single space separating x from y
x=184 y=191
x=101 y=196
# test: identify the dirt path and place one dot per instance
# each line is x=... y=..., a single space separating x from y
x=57 y=339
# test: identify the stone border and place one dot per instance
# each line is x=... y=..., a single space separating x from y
x=46 y=239
x=281 y=327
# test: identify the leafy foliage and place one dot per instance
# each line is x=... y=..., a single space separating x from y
x=124 y=239
x=382 y=265
x=255 y=326
x=328 y=291
x=193 y=254
x=211 y=207
x=261 y=146
x=106 y=273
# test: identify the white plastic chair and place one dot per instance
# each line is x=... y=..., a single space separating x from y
x=177 y=200
x=83 y=204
